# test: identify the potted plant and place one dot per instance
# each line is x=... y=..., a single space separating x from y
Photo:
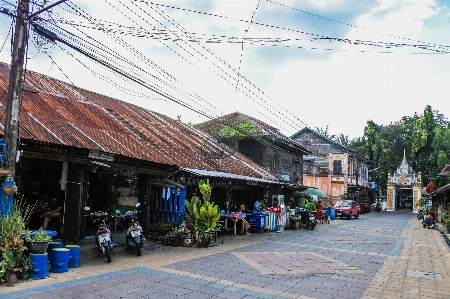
x=203 y=214
x=8 y=266
x=24 y=264
x=39 y=241
x=447 y=223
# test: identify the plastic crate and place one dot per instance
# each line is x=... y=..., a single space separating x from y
x=256 y=220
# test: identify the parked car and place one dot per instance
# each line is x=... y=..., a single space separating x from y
x=347 y=208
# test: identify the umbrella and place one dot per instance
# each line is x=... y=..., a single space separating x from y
x=315 y=192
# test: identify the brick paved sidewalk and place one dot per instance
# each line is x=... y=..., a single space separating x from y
x=421 y=270
x=380 y=255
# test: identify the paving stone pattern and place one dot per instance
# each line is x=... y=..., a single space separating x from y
x=379 y=255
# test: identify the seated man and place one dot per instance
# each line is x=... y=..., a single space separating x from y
x=55 y=211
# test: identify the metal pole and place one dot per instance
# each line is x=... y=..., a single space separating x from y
x=15 y=86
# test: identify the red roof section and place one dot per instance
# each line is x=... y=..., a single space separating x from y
x=59 y=113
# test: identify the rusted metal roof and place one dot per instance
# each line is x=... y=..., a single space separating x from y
x=59 y=113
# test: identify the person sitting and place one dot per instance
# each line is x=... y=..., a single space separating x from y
x=55 y=212
x=257 y=207
x=41 y=206
x=246 y=224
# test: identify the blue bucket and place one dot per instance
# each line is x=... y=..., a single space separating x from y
x=50 y=247
x=60 y=260
x=74 y=256
x=332 y=213
x=40 y=265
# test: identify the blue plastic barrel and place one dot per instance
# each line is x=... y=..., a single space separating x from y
x=332 y=213
x=60 y=260
x=50 y=247
x=40 y=265
x=74 y=256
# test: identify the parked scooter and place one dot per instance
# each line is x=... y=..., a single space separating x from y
x=429 y=221
x=103 y=237
x=133 y=230
x=420 y=214
x=307 y=219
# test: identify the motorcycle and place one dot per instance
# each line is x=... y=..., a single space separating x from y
x=420 y=214
x=103 y=237
x=429 y=221
x=307 y=219
x=134 y=237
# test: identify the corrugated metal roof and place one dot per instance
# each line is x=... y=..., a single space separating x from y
x=60 y=113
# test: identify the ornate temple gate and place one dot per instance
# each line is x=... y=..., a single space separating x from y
x=404 y=178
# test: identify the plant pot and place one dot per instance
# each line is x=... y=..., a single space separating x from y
x=8 y=190
x=12 y=276
x=39 y=247
x=203 y=242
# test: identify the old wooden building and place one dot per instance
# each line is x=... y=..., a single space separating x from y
x=335 y=169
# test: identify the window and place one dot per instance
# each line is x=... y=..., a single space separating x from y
x=295 y=166
x=307 y=167
x=276 y=161
x=337 y=167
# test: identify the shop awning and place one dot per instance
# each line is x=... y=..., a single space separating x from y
x=315 y=192
x=226 y=175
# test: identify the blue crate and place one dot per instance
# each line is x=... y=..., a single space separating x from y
x=256 y=220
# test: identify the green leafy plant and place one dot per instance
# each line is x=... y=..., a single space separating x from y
x=447 y=222
x=111 y=203
x=423 y=202
x=12 y=226
x=202 y=213
x=163 y=232
x=24 y=263
x=7 y=262
x=308 y=204
x=39 y=236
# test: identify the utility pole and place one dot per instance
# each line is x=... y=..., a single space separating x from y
x=11 y=130
x=15 y=90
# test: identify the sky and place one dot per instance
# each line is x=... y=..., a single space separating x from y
x=291 y=63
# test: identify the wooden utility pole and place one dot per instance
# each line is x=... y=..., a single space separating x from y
x=11 y=130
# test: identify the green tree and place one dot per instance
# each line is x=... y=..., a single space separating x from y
x=240 y=130
x=441 y=147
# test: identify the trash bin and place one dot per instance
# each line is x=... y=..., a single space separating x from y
x=332 y=213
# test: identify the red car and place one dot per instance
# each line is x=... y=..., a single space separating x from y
x=347 y=208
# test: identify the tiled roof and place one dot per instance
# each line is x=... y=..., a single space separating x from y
x=270 y=133
x=59 y=113
x=345 y=148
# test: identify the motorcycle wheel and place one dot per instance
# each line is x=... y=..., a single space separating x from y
x=137 y=246
x=357 y=216
x=312 y=225
x=431 y=226
x=424 y=225
x=349 y=217
x=108 y=254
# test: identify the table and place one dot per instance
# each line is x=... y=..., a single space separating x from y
x=235 y=220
